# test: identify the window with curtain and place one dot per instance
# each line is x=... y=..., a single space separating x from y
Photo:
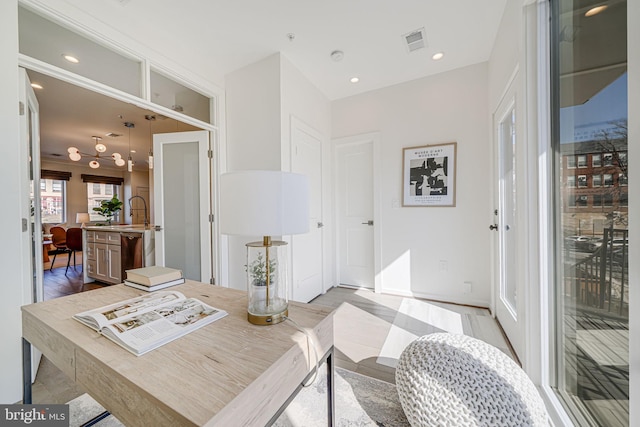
x=53 y=196
x=589 y=120
x=101 y=188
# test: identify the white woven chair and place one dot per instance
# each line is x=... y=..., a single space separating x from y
x=455 y=380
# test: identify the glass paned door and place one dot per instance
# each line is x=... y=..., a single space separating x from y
x=507 y=211
x=589 y=118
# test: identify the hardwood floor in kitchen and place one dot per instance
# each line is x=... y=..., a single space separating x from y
x=58 y=284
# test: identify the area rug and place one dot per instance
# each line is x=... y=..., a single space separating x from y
x=360 y=401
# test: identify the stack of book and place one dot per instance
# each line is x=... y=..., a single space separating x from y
x=153 y=278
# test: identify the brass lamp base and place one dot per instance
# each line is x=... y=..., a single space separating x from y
x=270 y=319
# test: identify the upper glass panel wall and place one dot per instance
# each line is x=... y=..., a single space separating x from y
x=179 y=98
x=47 y=41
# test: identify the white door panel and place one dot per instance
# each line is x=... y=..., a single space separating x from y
x=354 y=184
x=307 y=248
x=182 y=202
x=507 y=287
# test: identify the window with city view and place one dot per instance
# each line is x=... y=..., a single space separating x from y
x=96 y=193
x=52 y=201
x=591 y=197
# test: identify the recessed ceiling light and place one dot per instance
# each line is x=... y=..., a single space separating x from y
x=354 y=80
x=595 y=10
x=437 y=56
x=133 y=151
x=70 y=58
x=36 y=86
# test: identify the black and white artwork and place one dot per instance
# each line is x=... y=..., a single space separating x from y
x=429 y=175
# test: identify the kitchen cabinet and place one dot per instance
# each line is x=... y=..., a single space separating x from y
x=108 y=251
x=104 y=256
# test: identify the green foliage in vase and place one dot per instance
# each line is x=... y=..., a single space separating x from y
x=257 y=270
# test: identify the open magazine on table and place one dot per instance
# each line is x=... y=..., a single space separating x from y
x=144 y=323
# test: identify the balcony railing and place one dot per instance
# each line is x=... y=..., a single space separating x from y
x=601 y=279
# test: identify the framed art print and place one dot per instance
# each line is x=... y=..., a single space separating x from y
x=429 y=175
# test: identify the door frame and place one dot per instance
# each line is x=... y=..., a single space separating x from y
x=515 y=325
x=216 y=133
x=32 y=248
x=207 y=251
x=299 y=124
x=365 y=138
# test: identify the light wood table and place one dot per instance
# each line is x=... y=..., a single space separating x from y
x=227 y=373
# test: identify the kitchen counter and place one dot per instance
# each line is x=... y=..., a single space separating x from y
x=135 y=228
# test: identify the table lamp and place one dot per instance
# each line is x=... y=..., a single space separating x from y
x=82 y=218
x=265 y=203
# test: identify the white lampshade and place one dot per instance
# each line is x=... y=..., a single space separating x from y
x=82 y=217
x=264 y=203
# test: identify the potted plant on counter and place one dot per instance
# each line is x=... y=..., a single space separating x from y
x=109 y=208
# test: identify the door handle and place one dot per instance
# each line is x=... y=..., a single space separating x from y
x=320 y=225
x=493 y=227
x=370 y=222
x=157 y=228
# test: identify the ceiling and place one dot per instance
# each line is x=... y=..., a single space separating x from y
x=218 y=37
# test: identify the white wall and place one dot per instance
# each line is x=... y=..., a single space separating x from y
x=253 y=116
x=253 y=139
x=444 y=108
x=261 y=99
x=302 y=100
x=11 y=262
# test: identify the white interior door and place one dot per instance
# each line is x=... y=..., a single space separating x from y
x=30 y=185
x=354 y=205
x=507 y=292
x=306 y=145
x=182 y=193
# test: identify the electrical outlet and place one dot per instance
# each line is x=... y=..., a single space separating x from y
x=466 y=287
x=443 y=265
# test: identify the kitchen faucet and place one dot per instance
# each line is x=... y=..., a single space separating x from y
x=144 y=202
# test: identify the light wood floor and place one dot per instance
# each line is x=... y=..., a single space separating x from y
x=372 y=329
x=368 y=326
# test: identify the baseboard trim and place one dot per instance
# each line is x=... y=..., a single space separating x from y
x=437 y=298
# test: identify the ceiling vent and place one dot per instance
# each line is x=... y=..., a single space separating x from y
x=114 y=135
x=415 y=40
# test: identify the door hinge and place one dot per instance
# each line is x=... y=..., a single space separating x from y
x=210 y=154
x=21 y=108
x=211 y=217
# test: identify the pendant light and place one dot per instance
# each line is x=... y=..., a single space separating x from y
x=129 y=160
x=76 y=155
x=150 y=118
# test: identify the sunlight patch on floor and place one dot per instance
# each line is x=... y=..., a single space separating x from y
x=350 y=322
x=414 y=319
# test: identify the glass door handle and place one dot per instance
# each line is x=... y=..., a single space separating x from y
x=493 y=227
